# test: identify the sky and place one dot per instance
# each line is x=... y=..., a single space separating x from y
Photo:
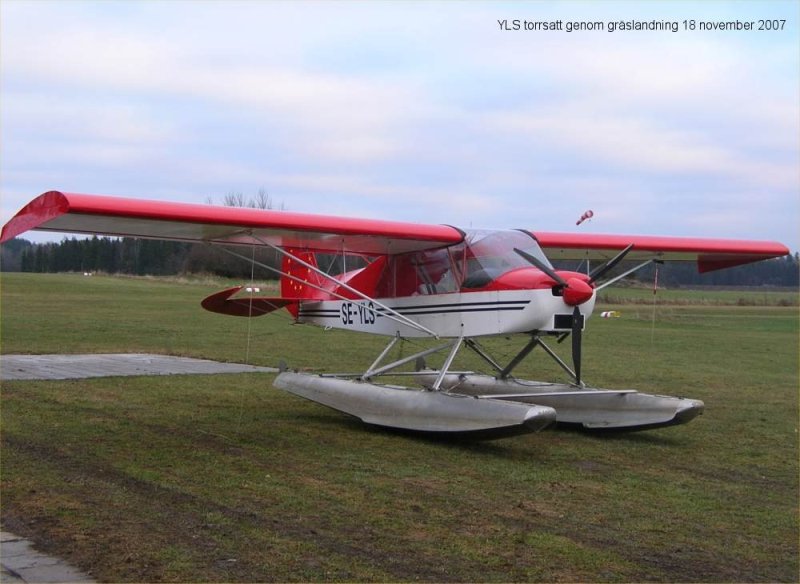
x=427 y=112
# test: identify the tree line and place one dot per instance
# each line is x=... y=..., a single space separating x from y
x=129 y=256
x=160 y=258
x=140 y=256
x=781 y=272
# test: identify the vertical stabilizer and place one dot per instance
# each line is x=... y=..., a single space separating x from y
x=298 y=285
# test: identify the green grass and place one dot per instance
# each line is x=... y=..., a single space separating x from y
x=209 y=478
x=713 y=297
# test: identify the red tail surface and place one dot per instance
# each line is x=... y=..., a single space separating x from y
x=224 y=303
x=304 y=282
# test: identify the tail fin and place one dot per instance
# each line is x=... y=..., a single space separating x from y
x=305 y=282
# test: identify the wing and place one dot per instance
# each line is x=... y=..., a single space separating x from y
x=710 y=254
x=92 y=214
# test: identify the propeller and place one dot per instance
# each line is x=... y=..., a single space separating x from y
x=576 y=292
x=542 y=266
x=577 y=333
x=602 y=270
x=577 y=329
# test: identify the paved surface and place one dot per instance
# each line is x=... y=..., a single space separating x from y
x=15 y=367
x=21 y=563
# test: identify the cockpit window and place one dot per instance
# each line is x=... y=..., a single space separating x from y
x=437 y=271
x=474 y=263
x=491 y=254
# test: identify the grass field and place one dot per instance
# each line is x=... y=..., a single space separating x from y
x=709 y=297
x=223 y=478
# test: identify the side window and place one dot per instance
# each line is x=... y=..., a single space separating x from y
x=458 y=261
x=434 y=272
x=427 y=272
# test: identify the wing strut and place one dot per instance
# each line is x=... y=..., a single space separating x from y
x=391 y=314
x=320 y=288
x=397 y=316
x=632 y=270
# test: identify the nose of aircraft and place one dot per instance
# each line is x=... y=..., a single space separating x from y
x=577 y=291
x=575 y=288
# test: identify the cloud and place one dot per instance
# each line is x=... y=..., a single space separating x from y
x=419 y=112
x=318 y=108
x=90 y=119
x=642 y=145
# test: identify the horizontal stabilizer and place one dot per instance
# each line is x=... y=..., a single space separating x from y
x=222 y=303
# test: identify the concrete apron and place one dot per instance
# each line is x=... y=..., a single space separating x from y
x=22 y=367
x=22 y=563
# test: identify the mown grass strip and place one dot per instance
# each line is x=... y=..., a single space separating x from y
x=225 y=478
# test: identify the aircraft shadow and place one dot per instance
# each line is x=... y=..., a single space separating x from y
x=484 y=444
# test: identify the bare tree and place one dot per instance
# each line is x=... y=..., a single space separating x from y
x=262 y=200
x=207 y=258
x=234 y=199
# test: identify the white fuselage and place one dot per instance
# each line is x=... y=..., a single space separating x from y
x=467 y=314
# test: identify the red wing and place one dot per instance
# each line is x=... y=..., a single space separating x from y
x=92 y=214
x=75 y=213
x=710 y=254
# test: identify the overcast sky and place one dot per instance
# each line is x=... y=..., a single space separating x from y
x=426 y=112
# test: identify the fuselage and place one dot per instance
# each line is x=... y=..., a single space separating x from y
x=468 y=314
x=479 y=287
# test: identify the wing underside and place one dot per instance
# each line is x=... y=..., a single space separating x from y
x=710 y=254
x=91 y=214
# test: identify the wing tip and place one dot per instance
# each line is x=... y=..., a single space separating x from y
x=43 y=208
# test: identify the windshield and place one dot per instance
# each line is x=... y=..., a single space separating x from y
x=495 y=249
x=491 y=254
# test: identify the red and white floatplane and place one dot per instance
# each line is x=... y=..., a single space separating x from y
x=409 y=280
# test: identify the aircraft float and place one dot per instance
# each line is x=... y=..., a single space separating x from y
x=407 y=281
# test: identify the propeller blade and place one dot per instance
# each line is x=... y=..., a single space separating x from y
x=542 y=266
x=600 y=271
x=577 y=333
